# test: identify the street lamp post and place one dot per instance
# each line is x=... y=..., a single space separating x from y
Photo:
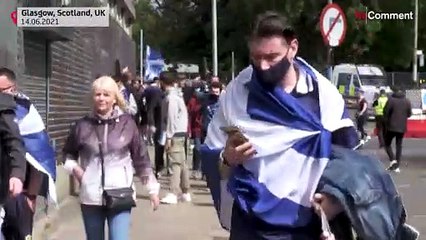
x=416 y=24
x=214 y=28
x=329 y=56
x=141 y=55
x=233 y=65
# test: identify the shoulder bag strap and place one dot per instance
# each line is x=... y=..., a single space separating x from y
x=101 y=156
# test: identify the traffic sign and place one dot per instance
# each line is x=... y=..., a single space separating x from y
x=333 y=25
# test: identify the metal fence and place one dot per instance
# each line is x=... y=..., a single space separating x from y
x=412 y=89
x=405 y=79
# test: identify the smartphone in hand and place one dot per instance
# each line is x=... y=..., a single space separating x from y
x=235 y=134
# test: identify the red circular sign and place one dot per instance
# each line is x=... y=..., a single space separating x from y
x=332 y=10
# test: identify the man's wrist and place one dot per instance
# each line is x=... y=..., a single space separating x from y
x=224 y=167
x=223 y=159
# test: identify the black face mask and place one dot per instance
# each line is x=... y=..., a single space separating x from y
x=275 y=73
x=214 y=97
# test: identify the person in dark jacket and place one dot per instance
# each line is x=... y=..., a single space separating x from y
x=209 y=105
x=361 y=117
x=19 y=211
x=153 y=98
x=12 y=151
x=397 y=111
x=194 y=129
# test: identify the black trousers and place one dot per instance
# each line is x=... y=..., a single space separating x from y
x=159 y=153
x=389 y=136
x=18 y=221
x=380 y=126
x=360 y=123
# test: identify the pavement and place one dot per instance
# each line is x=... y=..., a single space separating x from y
x=198 y=220
x=411 y=181
x=185 y=221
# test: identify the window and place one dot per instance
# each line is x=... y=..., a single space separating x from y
x=344 y=79
x=356 y=81
x=65 y=3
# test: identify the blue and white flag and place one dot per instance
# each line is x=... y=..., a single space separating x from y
x=154 y=63
x=293 y=147
x=40 y=154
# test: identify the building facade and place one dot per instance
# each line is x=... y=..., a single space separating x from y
x=56 y=66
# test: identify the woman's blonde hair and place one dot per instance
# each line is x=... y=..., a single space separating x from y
x=108 y=84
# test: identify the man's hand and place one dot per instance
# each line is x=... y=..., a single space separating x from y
x=168 y=144
x=329 y=205
x=238 y=149
x=31 y=203
x=15 y=186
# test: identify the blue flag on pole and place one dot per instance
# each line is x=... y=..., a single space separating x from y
x=154 y=63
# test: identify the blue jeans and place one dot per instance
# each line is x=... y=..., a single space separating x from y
x=196 y=156
x=94 y=223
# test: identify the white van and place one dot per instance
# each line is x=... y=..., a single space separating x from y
x=351 y=78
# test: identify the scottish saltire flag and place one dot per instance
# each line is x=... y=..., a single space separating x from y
x=293 y=147
x=40 y=154
x=154 y=63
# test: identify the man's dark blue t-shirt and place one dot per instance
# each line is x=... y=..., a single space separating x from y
x=345 y=137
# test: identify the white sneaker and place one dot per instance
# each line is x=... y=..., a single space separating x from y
x=397 y=170
x=170 y=198
x=186 y=197
x=368 y=138
x=392 y=165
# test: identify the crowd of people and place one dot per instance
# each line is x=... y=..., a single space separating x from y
x=274 y=148
x=127 y=115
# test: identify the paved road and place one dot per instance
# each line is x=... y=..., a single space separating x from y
x=411 y=181
x=198 y=221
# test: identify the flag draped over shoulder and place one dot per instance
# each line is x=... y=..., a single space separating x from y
x=40 y=154
x=293 y=147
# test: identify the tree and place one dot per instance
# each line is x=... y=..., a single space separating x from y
x=182 y=29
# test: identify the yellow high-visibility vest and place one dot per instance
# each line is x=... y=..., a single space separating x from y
x=381 y=102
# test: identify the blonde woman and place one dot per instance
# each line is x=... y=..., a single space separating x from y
x=109 y=147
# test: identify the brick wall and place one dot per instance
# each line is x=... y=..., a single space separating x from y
x=74 y=66
x=69 y=86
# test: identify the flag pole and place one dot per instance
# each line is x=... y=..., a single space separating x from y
x=214 y=28
x=233 y=65
x=141 y=55
x=416 y=26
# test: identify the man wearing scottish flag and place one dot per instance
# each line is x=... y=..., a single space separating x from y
x=269 y=155
x=41 y=163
